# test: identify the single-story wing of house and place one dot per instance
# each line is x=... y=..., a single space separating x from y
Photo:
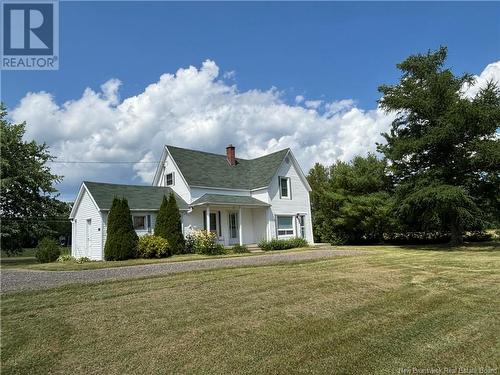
x=242 y=201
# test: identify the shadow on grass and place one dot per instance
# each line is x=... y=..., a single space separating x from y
x=486 y=246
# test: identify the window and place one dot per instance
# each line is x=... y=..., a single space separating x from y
x=169 y=179
x=139 y=222
x=215 y=220
x=285 y=226
x=284 y=187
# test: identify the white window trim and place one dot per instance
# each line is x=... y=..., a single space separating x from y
x=288 y=229
x=288 y=187
x=173 y=179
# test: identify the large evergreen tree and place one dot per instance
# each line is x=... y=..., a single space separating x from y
x=175 y=237
x=443 y=148
x=351 y=202
x=161 y=219
x=28 y=197
x=168 y=224
x=121 y=239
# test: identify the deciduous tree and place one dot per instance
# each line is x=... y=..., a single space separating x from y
x=28 y=196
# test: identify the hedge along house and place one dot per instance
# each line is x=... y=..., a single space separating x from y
x=89 y=215
x=242 y=201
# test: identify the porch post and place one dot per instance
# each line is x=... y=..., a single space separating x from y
x=240 y=219
x=208 y=218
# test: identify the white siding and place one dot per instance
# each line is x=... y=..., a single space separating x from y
x=87 y=210
x=298 y=202
x=180 y=187
x=261 y=194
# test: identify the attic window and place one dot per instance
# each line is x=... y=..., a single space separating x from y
x=169 y=179
x=284 y=186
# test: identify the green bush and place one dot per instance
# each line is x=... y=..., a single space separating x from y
x=153 y=247
x=277 y=244
x=240 y=249
x=121 y=240
x=47 y=250
x=168 y=224
x=190 y=242
x=478 y=236
x=83 y=260
x=206 y=243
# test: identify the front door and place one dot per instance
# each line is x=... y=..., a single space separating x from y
x=88 y=237
x=234 y=236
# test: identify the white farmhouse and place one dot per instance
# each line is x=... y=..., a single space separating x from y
x=243 y=201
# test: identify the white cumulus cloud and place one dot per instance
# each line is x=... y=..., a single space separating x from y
x=193 y=108
x=490 y=73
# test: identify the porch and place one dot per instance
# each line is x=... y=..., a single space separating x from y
x=234 y=219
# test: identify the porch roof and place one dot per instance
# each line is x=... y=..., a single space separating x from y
x=232 y=200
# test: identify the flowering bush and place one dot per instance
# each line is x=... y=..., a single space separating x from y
x=206 y=243
x=152 y=247
x=65 y=258
x=83 y=260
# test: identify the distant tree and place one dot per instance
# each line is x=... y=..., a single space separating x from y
x=174 y=237
x=352 y=201
x=318 y=178
x=28 y=196
x=121 y=239
x=161 y=219
x=443 y=148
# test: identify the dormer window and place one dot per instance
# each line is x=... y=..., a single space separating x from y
x=284 y=183
x=169 y=179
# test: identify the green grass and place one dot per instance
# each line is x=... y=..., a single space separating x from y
x=32 y=264
x=370 y=314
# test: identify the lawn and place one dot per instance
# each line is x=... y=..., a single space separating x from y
x=376 y=313
x=28 y=261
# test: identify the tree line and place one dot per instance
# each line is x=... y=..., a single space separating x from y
x=438 y=174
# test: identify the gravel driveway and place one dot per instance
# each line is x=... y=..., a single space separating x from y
x=17 y=279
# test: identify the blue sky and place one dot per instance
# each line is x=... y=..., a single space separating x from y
x=323 y=50
x=324 y=60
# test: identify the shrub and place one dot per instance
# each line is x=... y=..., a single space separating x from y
x=190 y=243
x=240 y=249
x=47 y=250
x=65 y=258
x=206 y=243
x=277 y=244
x=153 y=247
x=478 y=236
x=121 y=240
x=83 y=260
x=168 y=224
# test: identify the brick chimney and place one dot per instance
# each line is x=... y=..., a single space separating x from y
x=231 y=155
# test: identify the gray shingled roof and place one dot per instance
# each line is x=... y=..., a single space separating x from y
x=228 y=200
x=212 y=170
x=139 y=197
